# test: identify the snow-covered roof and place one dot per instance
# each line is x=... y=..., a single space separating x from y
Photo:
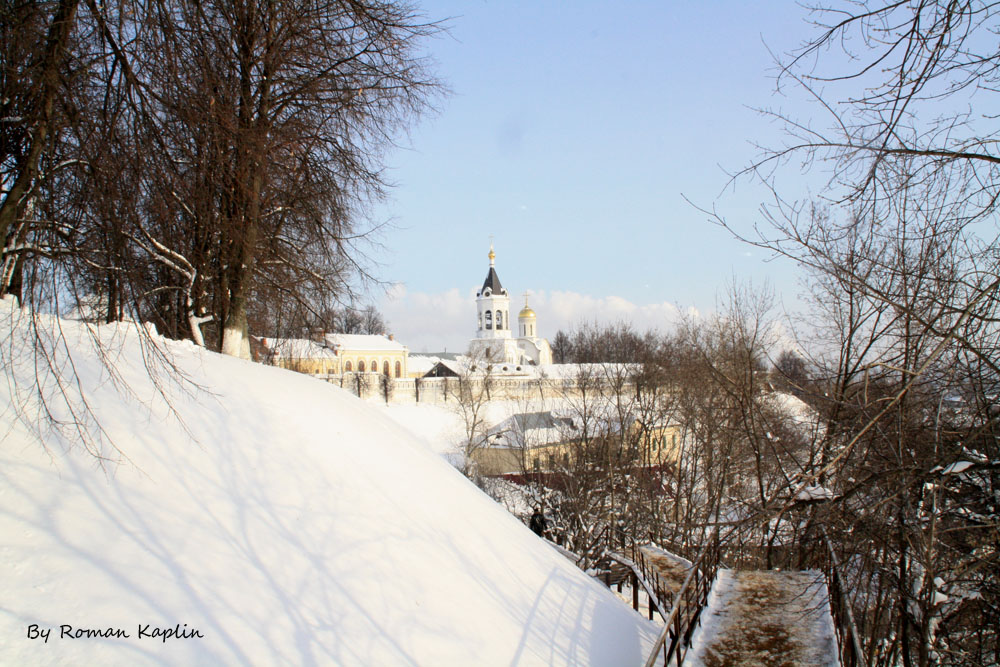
x=454 y=365
x=418 y=363
x=363 y=343
x=445 y=368
x=297 y=348
x=814 y=493
x=957 y=467
x=800 y=411
x=531 y=429
x=527 y=421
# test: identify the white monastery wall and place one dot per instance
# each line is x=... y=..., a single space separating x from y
x=373 y=386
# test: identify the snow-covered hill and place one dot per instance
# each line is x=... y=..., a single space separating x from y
x=282 y=520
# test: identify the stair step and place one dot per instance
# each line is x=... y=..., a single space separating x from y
x=766 y=617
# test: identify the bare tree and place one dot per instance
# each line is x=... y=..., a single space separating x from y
x=472 y=394
x=191 y=164
x=349 y=320
x=561 y=348
x=901 y=258
x=36 y=56
x=235 y=171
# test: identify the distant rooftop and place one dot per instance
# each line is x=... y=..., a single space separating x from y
x=442 y=355
x=493 y=283
x=363 y=342
x=421 y=363
x=296 y=348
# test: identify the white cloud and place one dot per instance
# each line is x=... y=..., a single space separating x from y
x=447 y=320
x=430 y=322
x=566 y=310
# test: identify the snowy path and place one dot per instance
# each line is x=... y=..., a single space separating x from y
x=765 y=618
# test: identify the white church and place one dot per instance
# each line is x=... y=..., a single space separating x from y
x=494 y=339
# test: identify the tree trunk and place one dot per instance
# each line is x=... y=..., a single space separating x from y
x=235 y=338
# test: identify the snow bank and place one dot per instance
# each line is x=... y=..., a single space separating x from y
x=442 y=427
x=283 y=522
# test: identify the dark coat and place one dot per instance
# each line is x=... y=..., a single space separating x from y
x=538 y=523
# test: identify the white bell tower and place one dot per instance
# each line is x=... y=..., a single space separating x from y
x=494 y=340
x=492 y=305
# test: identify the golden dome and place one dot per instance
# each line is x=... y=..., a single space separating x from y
x=526 y=312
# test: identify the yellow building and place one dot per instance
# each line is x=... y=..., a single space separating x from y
x=542 y=442
x=338 y=354
x=369 y=354
x=301 y=355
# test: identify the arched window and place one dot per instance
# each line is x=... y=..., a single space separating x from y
x=499 y=319
x=399 y=369
x=347 y=367
x=361 y=366
x=374 y=366
x=489 y=319
x=385 y=368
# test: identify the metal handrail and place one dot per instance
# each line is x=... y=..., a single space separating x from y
x=641 y=579
x=851 y=653
x=673 y=622
x=705 y=567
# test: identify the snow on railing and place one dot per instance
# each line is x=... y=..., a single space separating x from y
x=685 y=606
x=640 y=578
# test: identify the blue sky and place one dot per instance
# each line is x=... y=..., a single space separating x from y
x=572 y=134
